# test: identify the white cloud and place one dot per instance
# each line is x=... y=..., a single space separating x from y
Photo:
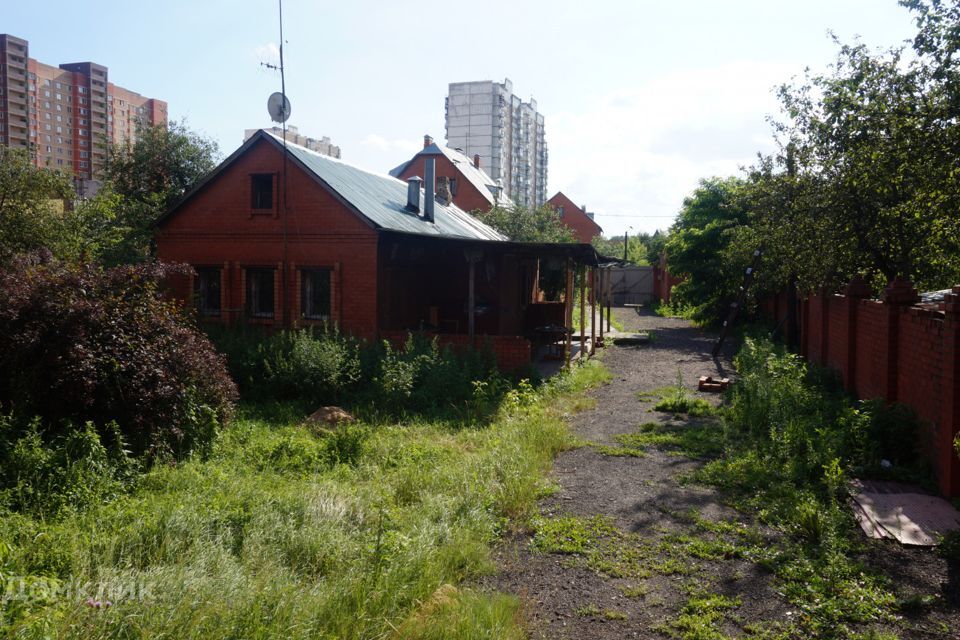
x=640 y=151
x=379 y=143
x=269 y=53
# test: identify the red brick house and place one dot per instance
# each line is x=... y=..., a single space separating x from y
x=585 y=229
x=374 y=255
x=470 y=187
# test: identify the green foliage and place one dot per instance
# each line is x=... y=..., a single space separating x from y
x=147 y=177
x=163 y=160
x=272 y=537
x=79 y=345
x=568 y=534
x=323 y=366
x=703 y=249
x=522 y=224
x=697 y=440
x=642 y=249
x=792 y=440
x=74 y=471
x=32 y=214
x=677 y=399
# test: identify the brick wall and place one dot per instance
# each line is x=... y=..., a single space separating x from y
x=467 y=196
x=584 y=228
x=898 y=350
x=217 y=228
x=512 y=352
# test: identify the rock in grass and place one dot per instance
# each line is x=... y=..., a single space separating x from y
x=325 y=419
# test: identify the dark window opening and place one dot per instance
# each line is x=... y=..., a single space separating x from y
x=206 y=288
x=261 y=191
x=260 y=293
x=453 y=186
x=315 y=294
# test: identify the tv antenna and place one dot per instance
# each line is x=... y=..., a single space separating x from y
x=278 y=106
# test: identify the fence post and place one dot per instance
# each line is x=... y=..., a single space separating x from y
x=855 y=291
x=897 y=295
x=950 y=403
x=825 y=296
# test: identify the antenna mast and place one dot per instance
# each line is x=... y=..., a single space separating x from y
x=285 y=272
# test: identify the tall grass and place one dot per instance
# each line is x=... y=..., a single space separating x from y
x=793 y=441
x=282 y=533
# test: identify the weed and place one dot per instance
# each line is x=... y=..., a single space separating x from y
x=697 y=440
x=676 y=399
x=634 y=590
x=605 y=450
x=280 y=533
x=568 y=534
x=701 y=617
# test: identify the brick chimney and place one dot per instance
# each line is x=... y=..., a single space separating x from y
x=427 y=141
x=476 y=160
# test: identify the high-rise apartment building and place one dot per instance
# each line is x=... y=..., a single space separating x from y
x=486 y=119
x=66 y=116
x=323 y=145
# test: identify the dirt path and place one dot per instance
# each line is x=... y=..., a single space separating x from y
x=624 y=548
x=643 y=497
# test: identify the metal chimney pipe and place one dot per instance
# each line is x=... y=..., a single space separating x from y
x=413 y=194
x=429 y=187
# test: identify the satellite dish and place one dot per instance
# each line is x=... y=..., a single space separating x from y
x=278 y=107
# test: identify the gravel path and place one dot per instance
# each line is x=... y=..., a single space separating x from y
x=648 y=573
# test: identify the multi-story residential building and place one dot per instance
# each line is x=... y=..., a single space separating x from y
x=485 y=119
x=323 y=145
x=66 y=116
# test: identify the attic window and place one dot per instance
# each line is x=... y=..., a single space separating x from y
x=261 y=191
x=453 y=186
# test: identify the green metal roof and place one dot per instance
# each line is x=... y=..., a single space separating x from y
x=382 y=199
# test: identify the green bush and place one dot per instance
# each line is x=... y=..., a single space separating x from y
x=323 y=366
x=800 y=418
x=73 y=471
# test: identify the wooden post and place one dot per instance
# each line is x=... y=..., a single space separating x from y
x=606 y=292
x=600 y=301
x=568 y=314
x=593 y=310
x=583 y=312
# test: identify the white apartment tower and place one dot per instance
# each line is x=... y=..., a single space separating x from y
x=485 y=118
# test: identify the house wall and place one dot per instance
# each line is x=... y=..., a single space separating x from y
x=898 y=351
x=467 y=197
x=584 y=229
x=217 y=228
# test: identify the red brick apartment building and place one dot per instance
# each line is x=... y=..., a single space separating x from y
x=64 y=115
x=470 y=187
x=584 y=228
x=375 y=255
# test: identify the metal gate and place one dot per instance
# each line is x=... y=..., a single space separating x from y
x=631 y=285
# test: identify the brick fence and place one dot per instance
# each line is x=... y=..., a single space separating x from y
x=892 y=348
x=512 y=352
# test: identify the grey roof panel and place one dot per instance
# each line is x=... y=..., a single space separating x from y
x=382 y=199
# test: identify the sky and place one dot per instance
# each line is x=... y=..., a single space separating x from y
x=641 y=98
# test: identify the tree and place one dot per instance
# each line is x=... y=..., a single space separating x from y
x=32 y=211
x=522 y=224
x=148 y=176
x=704 y=248
x=163 y=162
x=877 y=143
